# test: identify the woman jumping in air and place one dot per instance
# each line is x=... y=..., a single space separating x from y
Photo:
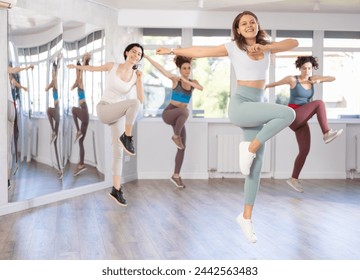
x=176 y=112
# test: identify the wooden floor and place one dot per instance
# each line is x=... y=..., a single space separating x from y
x=162 y=222
x=34 y=179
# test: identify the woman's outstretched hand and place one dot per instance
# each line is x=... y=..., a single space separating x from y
x=162 y=51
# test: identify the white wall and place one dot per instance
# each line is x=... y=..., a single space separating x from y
x=156 y=151
x=324 y=160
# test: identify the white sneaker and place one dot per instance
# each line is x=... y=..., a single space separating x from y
x=295 y=184
x=53 y=137
x=60 y=175
x=245 y=158
x=247 y=228
x=80 y=170
x=16 y=167
x=331 y=135
x=78 y=136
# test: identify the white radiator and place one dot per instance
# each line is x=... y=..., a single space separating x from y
x=228 y=153
x=357 y=153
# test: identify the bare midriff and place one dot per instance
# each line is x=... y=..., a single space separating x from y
x=254 y=84
x=178 y=104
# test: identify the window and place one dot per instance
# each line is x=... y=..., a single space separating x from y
x=154 y=37
x=341 y=39
x=342 y=60
x=285 y=66
x=93 y=81
x=36 y=101
x=285 y=61
x=341 y=96
x=305 y=37
x=157 y=88
x=213 y=74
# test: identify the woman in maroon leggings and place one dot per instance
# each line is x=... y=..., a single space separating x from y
x=176 y=113
x=301 y=94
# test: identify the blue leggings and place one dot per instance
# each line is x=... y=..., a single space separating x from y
x=257 y=120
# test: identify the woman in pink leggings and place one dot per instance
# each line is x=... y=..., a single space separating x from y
x=301 y=94
x=176 y=113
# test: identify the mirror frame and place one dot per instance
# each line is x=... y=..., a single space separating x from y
x=7 y=207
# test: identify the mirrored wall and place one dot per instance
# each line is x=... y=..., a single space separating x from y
x=57 y=143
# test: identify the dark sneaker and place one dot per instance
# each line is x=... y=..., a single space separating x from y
x=177 y=182
x=128 y=144
x=178 y=142
x=79 y=170
x=117 y=195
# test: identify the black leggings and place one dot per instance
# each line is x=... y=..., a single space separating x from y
x=82 y=114
x=176 y=117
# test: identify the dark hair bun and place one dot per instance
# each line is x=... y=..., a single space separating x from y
x=180 y=60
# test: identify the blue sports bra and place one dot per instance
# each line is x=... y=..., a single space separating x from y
x=180 y=94
x=81 y=93
x=55 y=94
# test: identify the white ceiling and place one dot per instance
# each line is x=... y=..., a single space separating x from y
x=22 y=21
x=299 y=6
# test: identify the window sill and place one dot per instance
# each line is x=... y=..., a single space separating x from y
x=226 y=121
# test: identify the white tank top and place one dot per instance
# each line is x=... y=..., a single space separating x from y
x=116 y=89
x=247 y=69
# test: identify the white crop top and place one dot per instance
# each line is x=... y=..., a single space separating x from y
x=247 y=69
x=116 y=89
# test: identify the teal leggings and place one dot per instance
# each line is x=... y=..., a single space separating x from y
x=257 y=120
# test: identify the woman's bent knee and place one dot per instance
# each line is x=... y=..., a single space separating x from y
x=290 y=115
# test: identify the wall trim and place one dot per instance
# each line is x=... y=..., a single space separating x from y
x=13 y=207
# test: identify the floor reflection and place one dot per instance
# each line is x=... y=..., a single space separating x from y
x=34 y=179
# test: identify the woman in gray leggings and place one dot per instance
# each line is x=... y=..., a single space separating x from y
x=117 y=106
x=176 y=112
x=249 y=53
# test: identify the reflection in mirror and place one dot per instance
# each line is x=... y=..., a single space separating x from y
x=36 y=160
x=44 y=155
x=83 y=44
